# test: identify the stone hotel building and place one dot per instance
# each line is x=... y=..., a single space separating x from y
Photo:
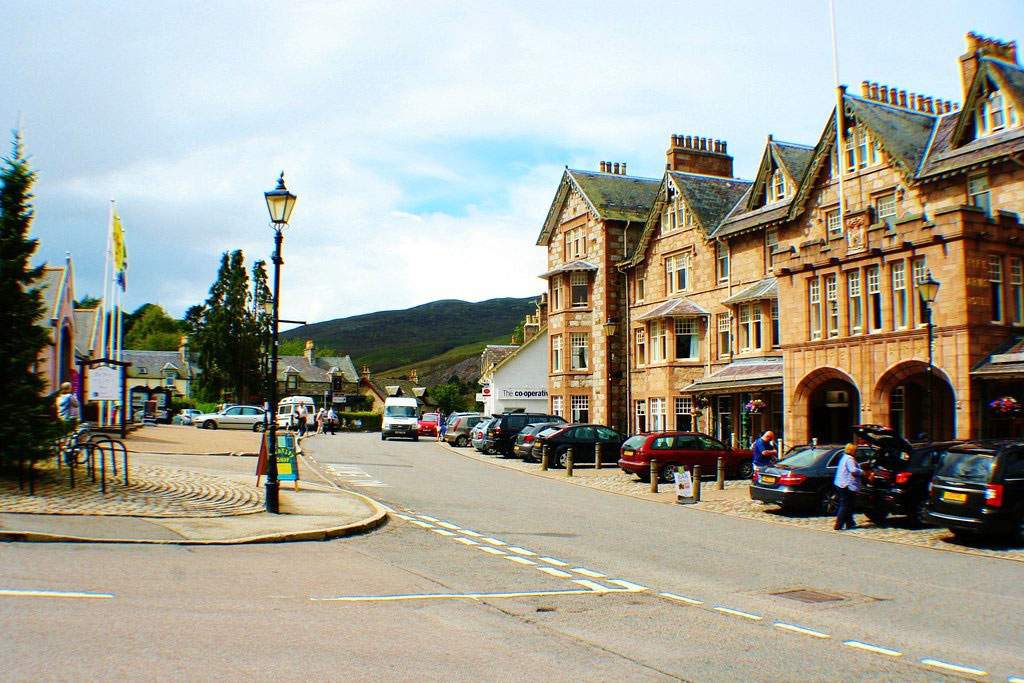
x=703 y=301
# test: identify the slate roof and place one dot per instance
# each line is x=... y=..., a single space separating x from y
x=903 y=133
x=675 y=308
x=609 y=196
x=51 y=285
x=384 y=385
x=539 y=336
x=1006 y=363
x=87 y=324
x=746 y=373
x=794 y=157
x=494 y=353
x=151 y=364
x=569 y=267
x=767 y=288
x=319 y=370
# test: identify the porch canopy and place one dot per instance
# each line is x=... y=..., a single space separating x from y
x=1008 y=364
x=675 y=308
x=747 y=374
x=571 y=266
x=759 y=291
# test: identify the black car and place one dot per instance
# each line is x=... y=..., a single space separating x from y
x=895 y=481
x=523 y=445
x=979 y=489
x=501 y=433
x=803 y=479
x=584 y=440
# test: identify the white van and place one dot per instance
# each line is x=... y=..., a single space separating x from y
x=401 y=418
x=288 y=406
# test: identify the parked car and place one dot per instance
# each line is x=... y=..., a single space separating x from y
x=686 y=449
x=185 y=417
x=478 y=435
x=502 y=432
x=235 y=417
x=399 y=418
x=523 y=446
x=428 y=424
x=896 y=478
x=584 y=439
x=803 y=479
x=537 y=445
x=979 y=489
x=460 y=426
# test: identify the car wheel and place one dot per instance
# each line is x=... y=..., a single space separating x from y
x=258 y=427
x=645 y=477
x=919 y=516
x=461 y=441
x=383 y=437
x=665 y=474
x=416 y=437
x=879 y=517
x=828 y=501
x=562 y=458
x=964 y=536
x=746 y=469
x=209 y=424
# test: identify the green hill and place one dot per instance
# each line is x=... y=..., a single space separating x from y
x=397 y=339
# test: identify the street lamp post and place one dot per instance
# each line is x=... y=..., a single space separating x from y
x=928 y=289
x=280 y=203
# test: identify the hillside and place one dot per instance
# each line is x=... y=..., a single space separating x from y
x=439 y=334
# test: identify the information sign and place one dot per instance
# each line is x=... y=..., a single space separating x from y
x=103 y=383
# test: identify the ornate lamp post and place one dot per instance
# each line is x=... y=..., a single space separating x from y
x=928 y=289
x=280 y=203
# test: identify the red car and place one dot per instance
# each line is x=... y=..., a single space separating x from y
x=428 y=424
x=674 y=449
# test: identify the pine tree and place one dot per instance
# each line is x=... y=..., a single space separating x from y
x=262 y=321
x=28 y=426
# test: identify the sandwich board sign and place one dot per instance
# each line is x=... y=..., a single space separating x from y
x=684 y=486
x=286 y=457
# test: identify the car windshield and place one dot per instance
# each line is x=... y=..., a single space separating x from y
x=970 y=466
x=429 y=417
x=804 y=456
x=635 y=441
x=548 y=432
x=400 y=411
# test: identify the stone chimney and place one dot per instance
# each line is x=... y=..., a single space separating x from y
x=895 y=97
x=615 y=168
x=183 y=348
x=978 y=46
x=692 y=154
x=310 y=354
x=413 y=377
x=364 y=372
x=542 y=309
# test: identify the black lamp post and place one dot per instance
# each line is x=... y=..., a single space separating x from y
x=280 y=203
x=928 y=289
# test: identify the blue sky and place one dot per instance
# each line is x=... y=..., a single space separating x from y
x=425 y=140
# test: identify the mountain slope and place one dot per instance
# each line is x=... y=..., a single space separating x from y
x=391 y=339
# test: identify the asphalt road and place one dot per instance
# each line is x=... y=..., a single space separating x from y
x=479 y=579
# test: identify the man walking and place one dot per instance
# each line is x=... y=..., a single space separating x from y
x=332 y=420
x=764 y=452
x=300 y=417
x=847 y=483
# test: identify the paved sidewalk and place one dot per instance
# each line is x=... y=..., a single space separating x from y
x=167 y=439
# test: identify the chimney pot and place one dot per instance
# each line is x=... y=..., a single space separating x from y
x=724 y=149
x=874 y=91
x=616 y=171
x=688 y=143
x=903 y=98
x=865 y=89
x=883 y=93
x=623 y=168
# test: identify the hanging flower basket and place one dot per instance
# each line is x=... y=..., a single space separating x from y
x=1007 y=405
x=755 y=406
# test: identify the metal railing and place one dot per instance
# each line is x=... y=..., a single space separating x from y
x=93 y=451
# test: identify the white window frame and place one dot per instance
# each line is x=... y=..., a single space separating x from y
x=884 y=211
x=687 y=327
x=557 y=406
x=833 y=226
x=580 y=360
x=832 y=304
x=556 y=293
x=659 y=414
x=575 y=244
x=918 y=273
x=875 y=308
x=898 y=272
x=979 y=193
x=814 y=308
x=659 y=341
x=855 y=302
x=775 y=323
x=556 y=353
x=640 y=337
x=641 y=415
x=724 y=335
x=1017 y=289
x=771 y=240
x=641 y=287
x=580 y=407
x=579 y=280
x=996 y=296
x=777 y=186
x=677 y=267
x=722 y=261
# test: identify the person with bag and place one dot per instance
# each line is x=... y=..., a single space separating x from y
x=332 y=420
x=847 y=483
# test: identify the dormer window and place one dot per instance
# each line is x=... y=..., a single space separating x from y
x=677 y=216
x=995 y=114
x=861 y=149
x=777 y=186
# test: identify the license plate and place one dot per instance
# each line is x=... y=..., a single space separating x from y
x=766 y=479
x=953 y=497
x=627 y=453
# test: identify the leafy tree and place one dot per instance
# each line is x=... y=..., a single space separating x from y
x=87 y=301
x=297 y=347
x=517 y=333
x=262 y=321
x=149 y=328
x=448 y=397
x=27 y=427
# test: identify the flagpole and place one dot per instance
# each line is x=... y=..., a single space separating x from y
x=840 y=118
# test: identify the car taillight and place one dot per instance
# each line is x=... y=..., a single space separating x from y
x=994 y=495
x=903 y=477
x=753 y=477
x=528 y=438
x=791 y=479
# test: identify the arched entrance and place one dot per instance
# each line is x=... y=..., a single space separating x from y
x=830 y=403
x=902 y=396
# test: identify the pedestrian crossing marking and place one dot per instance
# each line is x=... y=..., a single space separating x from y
x=551 y=560
x=466 y=541
x=596 y=587
x=443 y=532
x=555 y=572
x=492 y=551
x=494 y=541
x=449 y=525
x=521 y=551
x=587 y=572
x=520 y=560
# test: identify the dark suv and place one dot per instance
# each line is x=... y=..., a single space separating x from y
x=896 y=477
x=501 y=433
x=979 y=489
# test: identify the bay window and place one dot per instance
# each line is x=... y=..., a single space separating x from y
x=580 y=354
x=580 y=289
x=686 y=339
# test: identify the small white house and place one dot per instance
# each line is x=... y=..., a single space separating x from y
x=519 y=380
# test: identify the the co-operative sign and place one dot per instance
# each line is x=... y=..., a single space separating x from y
x=528 y=392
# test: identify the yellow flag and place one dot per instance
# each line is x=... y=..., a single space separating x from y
x=120 y=252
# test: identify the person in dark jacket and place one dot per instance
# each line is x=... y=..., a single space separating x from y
x=764 y=451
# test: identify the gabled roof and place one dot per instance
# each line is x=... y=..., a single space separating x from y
x=542 y=334
x=87 y=326
x=610 y=197
x=586 y=266
x=767 y=288
x=675 y=308
x=153 y=364
x=319 y=370
x=1008 y=77
x=794 y=157
x=51 y=285
x=903 y=133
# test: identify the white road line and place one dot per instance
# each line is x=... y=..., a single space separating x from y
x=449 y=525
x=738 y=613
x=449 y=596
x=591 y=585
x=1015 y=679
x=800 y=629
x=492 y=551
x=494 y=541
x=15 y=593
x=587 y=572
x=428 y=518
x=555 y=572
x=474 y=534
x=520 y=560
x=681 y=598
x=467 y=541
x=521 y=551
x=422 y=524
x=444 y=532
x=551 y=560
x=872 y=648
x=405 y=517
x=369 y=484
x=958 y=668
x=628 y=585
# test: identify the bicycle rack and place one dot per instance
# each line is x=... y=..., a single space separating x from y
x=70 y=453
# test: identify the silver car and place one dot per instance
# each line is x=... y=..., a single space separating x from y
x=233 y=417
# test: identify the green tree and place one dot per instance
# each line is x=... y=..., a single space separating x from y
x=262 y=321
x=87 y=301
x=448 y=397
x=149 y=328
x=27 y=427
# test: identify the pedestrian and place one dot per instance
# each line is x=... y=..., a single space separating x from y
x=442 y=426
x=321 y=415
x=332 y=420
x=764 y=452
x=68 y=408
x=300 y=418
x=847 y=482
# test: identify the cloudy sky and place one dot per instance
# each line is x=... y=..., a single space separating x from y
x=425 y=140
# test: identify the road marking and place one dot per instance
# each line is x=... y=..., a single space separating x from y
x=474 y=534
x=551 y=560
x=449 y=525
x=450 y=596
x=428 y=518
x=422 y=524
x=680 y=598
x=444 y=532
x=521 y=551
x=596 y=587
x=14 y=593
x=738 y=613
x=369 y=484
x=492 y=551
x=405 y=517
x=628 y=585
x=872 y=648
x=587 y=572
x=555 y=572
x=800 y=629
x=1015 y=679
x=494 y=541
x=466 y=541
x=958 y=668
x=520 y=560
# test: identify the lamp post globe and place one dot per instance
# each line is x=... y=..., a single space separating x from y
x=280 y=203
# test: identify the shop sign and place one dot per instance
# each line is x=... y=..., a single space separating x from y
x=524 y=392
